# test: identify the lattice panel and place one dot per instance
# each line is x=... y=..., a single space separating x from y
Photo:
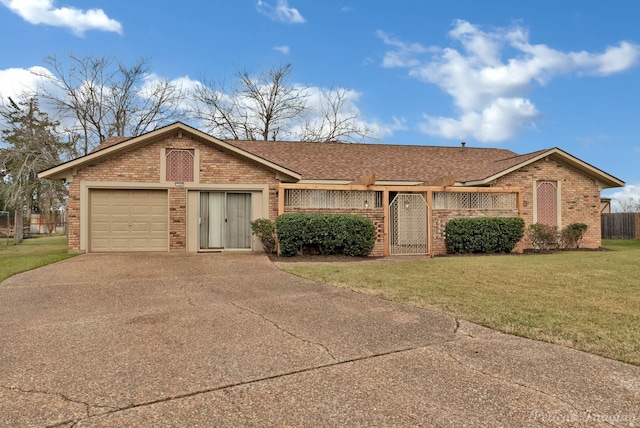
x=408 y=225
x=474 y=201
x=547 y=202
x=304 y=198
x=180 y=165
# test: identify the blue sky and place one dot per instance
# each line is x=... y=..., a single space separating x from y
x=510 y=74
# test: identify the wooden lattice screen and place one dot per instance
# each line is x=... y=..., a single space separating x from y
x=547 y=202
x=180 y=165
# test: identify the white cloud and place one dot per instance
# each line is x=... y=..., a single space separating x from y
x=78 y=21
x=627 y=196
x=14 y=81
x=489 y=90
x=404 y=54
x=499 y=121
x=284 y=49
x=281 y=12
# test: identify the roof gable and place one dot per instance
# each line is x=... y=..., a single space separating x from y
x=116 y=145
x=509 y=165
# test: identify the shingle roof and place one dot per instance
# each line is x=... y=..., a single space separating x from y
x=348 y=162
x=341 y=161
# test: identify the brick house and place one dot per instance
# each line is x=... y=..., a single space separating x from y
x=180 y=189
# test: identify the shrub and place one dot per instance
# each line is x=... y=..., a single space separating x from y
x=573 y=234
x=483 y=234
x=329 y=233
x=265 y=230
x=542 y=236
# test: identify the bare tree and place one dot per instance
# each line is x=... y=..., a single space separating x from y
x=101 y=97
x=221 y=114
x=628 y=205
x=336 y=119
x=30 y=143
x=271 y=102
x=252 y=108
x=270 y=107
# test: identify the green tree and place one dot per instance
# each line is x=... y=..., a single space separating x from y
x=29 y=144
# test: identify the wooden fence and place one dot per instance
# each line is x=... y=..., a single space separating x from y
x=620 y=226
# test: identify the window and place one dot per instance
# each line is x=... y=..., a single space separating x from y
x=180 y=165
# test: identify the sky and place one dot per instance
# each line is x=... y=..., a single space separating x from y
x=518 y=75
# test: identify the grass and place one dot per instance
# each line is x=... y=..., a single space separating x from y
x=588 y=300
x=30 y=254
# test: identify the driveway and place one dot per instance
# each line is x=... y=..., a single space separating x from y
x=228 y=339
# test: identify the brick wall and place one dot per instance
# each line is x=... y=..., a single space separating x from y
x=177 y=218
x=73 y=216
x=217 y=167
x=579 y=194
x=374 y=214
x=142 y=165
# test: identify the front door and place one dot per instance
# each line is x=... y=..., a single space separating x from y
x=225 y=220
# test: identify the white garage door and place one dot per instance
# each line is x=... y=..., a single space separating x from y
x=128 y=220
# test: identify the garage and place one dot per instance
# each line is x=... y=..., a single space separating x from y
x=128 y=220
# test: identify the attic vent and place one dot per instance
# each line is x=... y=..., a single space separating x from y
x=180 y=165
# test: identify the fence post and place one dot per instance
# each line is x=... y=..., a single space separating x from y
x=17 y=228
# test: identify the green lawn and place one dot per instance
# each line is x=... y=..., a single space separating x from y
x=589 y=300
x=30 y=254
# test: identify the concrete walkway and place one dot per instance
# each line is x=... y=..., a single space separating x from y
x=228 y=339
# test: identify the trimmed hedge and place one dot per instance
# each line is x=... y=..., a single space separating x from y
x=330 y=233
x=483 y=234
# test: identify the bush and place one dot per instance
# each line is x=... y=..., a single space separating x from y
x=542 y=236
x=483 y=234
x=573 y=234
x=329 y=233
x=265 y=230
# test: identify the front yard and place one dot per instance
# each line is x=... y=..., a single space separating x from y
x=588 y=300
x=31 y=253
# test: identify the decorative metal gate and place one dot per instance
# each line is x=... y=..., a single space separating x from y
x=408 y=225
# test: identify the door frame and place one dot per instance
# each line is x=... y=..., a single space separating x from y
x=260 y=205
x=224 y=224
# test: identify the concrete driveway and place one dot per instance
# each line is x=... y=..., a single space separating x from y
x=228 y=339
